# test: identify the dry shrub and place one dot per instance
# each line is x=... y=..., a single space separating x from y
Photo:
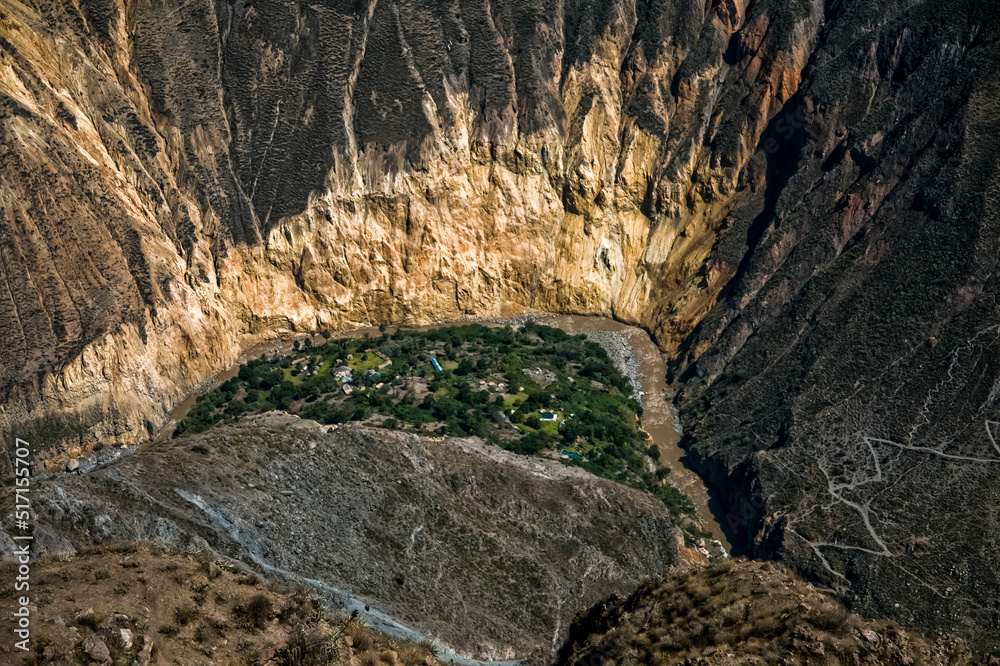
x=765 y=624
x=254 y=613
x=210 y=629
x=726 y=637
x=251 y=579
x=311 y=649
x=169 y=630
x=683 y=605
x=411 y=655
x=831 y=618
x=361 y=635
x=701 y=593
x=186 y=614
x=734 y=612
x=368 y=658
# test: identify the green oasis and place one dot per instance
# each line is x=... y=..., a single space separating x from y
x=530 y=389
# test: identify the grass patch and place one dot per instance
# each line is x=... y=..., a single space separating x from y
x=363 y=362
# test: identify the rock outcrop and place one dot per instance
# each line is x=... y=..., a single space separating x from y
x=740 y=612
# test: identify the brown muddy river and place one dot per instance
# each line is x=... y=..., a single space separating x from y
x=658 y=413
x=658 y=418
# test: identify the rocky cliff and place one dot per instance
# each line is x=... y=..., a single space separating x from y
x=799 y=199
x=841 y=391
x=181 y=179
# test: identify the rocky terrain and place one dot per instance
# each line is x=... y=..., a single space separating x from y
x=489 y=552
x=842 y=391
x=745 y=613
x=128 y=604
x=622 y=355
x=798 y=198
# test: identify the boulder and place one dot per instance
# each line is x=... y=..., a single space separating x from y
x=118 y=620
x=870 y=636
x=146 y=653
x=96 y=649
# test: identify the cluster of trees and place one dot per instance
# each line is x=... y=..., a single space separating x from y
x=597 y=414
x=479 y=352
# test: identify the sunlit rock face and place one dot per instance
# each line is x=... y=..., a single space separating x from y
x=802 y=193
x=182 y=179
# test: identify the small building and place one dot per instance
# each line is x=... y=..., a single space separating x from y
x=348 y=390
x=341 y=371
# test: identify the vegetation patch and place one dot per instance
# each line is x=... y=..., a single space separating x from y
x=160 y=620
x=532 y=390
x=741 y=612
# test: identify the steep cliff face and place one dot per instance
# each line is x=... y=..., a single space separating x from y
x=798 y=198
x=183 y=178
x=842 y=391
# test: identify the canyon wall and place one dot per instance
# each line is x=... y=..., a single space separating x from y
x=182 y=179
x=799 y=200
x=842 y=390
